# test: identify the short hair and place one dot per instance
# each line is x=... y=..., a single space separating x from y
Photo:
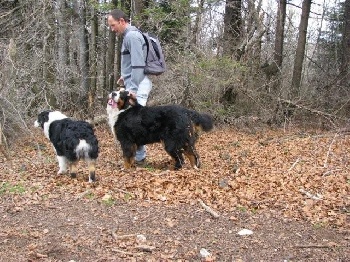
x=117 y=14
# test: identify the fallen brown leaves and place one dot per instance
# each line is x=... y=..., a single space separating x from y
x=304 y=176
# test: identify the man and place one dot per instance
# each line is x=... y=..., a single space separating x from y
x=133 y=57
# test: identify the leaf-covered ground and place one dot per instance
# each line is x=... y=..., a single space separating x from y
x=292 y=189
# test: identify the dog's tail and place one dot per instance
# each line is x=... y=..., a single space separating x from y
x=201 y=121
x=87 y=148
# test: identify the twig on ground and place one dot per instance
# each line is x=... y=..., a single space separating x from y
x=118 y=237
x=344 y=131
x=308 y=194
x=328 y=116
x=81 y=195
x=316 y=246
x=294 y=164
x=38 y=255
x=126 y=252
x=329 y=150
x=3 y=145
x=145 y=248
x=123 y=191
x=208 y=209
x=327 y=173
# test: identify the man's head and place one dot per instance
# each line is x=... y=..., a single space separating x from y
x=117 y=21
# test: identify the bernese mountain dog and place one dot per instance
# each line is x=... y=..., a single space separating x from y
x=176 y=127
x=72 y=140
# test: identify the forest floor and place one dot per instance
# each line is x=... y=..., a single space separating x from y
x=290 y=189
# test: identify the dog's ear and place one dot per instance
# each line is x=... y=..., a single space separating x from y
x=123 y=94
x=132 y=99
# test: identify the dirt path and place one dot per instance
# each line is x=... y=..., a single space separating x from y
x=84 y=230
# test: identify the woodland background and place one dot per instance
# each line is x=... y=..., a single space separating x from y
x=268 y=62
x=253 y=65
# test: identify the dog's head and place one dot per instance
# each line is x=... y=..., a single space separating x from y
x=121 y=100
x=45 y=118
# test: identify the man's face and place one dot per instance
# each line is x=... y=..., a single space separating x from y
x=117 y=26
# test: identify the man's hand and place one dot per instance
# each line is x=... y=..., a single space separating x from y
x=120 y=81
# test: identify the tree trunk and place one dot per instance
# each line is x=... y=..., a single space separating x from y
x=345 y=65
x=197 y=22
x=274 y=69
x=61 y=43
x=126 y=7
x=110 y=58
x=93 y=62
x=80 y=12
x=232 y=28
x=281 y=18
x=300 y=52
x=187 y=99
x=48 y=68
x=139 y=5
x=110 y=61
x=138 y=10
x=102 y=51
x=254 y=31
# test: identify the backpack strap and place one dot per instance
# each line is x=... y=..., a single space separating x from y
x=138 y=30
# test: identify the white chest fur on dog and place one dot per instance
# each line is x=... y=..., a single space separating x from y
x=112 y=111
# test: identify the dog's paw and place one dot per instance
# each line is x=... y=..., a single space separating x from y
x=61 y=172
x=92 y=177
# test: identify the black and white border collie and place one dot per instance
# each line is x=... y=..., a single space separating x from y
x=176 y=127
x=73 y=140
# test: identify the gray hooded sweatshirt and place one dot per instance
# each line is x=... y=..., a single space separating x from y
x=133 y=57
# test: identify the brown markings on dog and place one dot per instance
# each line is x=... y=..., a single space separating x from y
x=92 y=168
x=120 y=104
x=192 y=158
x=172 y=164
x=129 y=162
x=73 y=169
